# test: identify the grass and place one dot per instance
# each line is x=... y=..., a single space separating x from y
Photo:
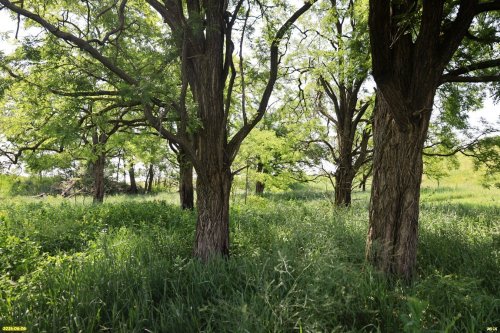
x=297 y=264
x=462 y=186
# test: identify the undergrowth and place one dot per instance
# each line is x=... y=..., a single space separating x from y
x=297 y=264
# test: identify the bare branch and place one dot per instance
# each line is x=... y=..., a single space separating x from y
x=461 y=148
x=329 y=91
x=360 y=114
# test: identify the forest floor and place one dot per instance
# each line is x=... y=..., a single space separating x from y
x=297 y=264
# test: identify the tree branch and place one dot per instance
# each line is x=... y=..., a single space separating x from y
x=360 y=114
x=119 y=28
x=80 y=43
x=473 y=67
x=236 y=140
x=329 y=91
x=155 y=122
x=471 y=79
x=486 y=40
x=488 y=6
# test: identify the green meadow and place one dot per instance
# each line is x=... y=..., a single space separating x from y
x=297 y=265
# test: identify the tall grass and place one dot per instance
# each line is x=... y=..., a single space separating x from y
x=297 y=265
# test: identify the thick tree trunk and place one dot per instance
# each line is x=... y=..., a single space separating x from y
x=98 y=174
x=186 y=190
x=206 y=76
x=344 y=177
x=259 y=186
x=212 y=230
x=133 y=185
x=394 y=207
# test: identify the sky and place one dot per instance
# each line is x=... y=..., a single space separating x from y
x=490 y=112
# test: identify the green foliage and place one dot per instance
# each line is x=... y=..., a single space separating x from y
x=457 y=101
x=18 y=256
x=487 y=159
x=297 y=264
x=281 y=145
x=438 y=168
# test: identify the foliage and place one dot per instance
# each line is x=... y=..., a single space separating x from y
x=486 y=156
x=438 y=168
x=281 y=145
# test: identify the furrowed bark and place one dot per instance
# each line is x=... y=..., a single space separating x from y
x=212 y=229
x=394 y=207
x=408 y=73
x=343 y=185
x=206 y=75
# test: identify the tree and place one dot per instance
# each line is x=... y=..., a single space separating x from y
x=142 y=145
x=412 y=47
x=333 y=56
x=341 y=78
x=40 y=121
x=133 y=184
x=201 y=36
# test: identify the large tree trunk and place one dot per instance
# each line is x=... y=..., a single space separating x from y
x=259 y=186
x=394 y=207
x=344 y=177
x=213 y=186
x=186 y=190
x=212 y=229
x=98 y=174
x=206 y=76
x=133 y=185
